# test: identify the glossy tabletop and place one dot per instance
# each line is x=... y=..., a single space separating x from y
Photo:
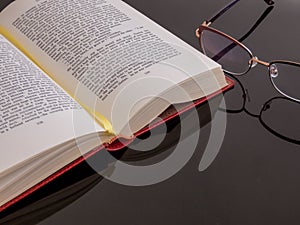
x=251 y=178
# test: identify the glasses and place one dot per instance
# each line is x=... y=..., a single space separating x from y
x=236 y=59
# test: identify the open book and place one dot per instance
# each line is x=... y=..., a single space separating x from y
x=76 y=75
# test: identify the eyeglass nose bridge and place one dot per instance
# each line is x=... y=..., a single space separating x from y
x=254 y=61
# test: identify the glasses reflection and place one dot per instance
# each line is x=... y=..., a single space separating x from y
x=279 y=115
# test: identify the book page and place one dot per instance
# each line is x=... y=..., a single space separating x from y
x=35 y=113
x=104 y=51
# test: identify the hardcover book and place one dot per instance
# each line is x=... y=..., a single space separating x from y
x=78 y=76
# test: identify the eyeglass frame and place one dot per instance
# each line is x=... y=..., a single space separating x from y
x=253 y=59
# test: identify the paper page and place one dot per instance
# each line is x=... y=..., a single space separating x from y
x=35 y=113
x=99 y=50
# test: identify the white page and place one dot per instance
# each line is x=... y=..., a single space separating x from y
x=35 y=114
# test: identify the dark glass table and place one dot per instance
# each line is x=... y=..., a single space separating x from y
x=254 y=176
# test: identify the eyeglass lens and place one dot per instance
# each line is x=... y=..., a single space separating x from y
x=286 y=78
x=233 y=57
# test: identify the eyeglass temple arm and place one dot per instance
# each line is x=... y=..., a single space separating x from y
x=229 y=6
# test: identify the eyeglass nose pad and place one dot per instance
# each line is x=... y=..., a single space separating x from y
x=273 y=71
x=252 y=62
